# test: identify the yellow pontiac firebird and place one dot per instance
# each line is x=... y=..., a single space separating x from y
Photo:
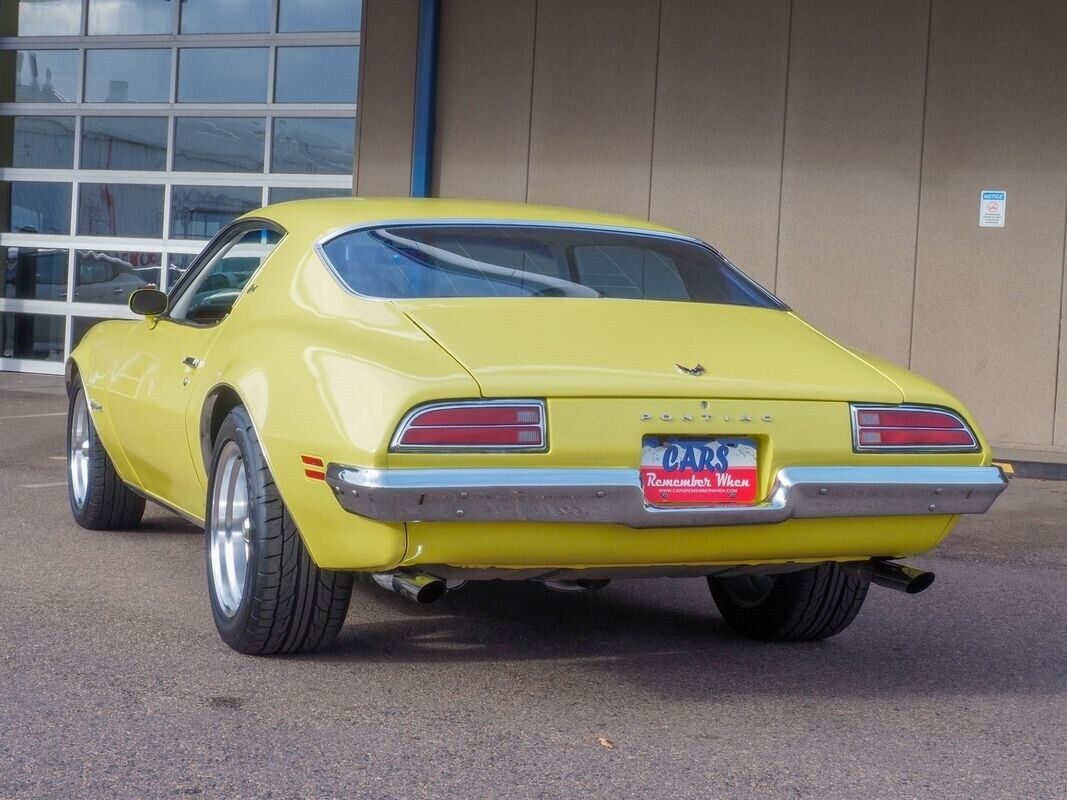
x=433 y=391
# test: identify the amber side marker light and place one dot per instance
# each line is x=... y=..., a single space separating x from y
x=910 y=428
x=475 y=425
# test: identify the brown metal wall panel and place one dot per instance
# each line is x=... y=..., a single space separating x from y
x=593 y=100
x=988 y=300
x=720 y=103
x=850 y=183
x=483 y=103
x=387 y=97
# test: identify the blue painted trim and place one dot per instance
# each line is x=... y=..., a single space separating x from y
x=425 y=98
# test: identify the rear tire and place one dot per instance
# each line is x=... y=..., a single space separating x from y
x=800 y=606
x=99 y=500
x=267 y=595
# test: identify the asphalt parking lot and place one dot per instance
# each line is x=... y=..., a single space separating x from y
x=113 y=682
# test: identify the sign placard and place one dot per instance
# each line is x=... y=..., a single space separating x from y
x=991 y=208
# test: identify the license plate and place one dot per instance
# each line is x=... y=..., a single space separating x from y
x=698 y=471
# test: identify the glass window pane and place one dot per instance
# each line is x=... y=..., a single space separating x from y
x=113 y=276
x=119 y=209
x=284 y=194
x=222 y=75
x=124 y=143
x=37 y=142
x=219 y=144
x=38 y=337
x=198 y=212
x=79 y=326
x=127 y=76
x=210 y=295
x=177 y=265
x=35 y=207
x=41 y=18
x=38 y=76
x=231 y=16
x=317 y=74
x=306 y=146
x=32 y=273
x=319 y=15
x=110 y=17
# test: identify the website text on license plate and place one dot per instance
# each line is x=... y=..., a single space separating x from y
x=698 y=471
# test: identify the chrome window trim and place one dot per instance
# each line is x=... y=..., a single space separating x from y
x=488 y=222
x=856 y=408
x=396 y=447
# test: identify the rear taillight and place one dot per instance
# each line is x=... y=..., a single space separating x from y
x=474 y=425
x=915 y=428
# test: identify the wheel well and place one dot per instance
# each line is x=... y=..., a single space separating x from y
x=220 y=402
x=71 y=373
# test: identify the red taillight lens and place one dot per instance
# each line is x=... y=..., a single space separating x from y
x=875 y=428
x=518 y=425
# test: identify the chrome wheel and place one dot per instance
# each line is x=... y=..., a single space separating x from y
x=230 y=529
x=78 y=456
x=748 y=591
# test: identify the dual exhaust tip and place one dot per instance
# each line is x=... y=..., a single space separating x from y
x=891 y=575
x=422 y=588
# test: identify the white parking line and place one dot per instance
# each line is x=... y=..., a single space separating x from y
x=43 y=485
x=36 y=416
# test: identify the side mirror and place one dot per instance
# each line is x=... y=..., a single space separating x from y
x=149 y=302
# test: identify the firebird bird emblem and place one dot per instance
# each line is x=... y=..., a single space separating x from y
x=698 y=370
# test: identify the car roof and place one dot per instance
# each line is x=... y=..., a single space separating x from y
x=315 y=219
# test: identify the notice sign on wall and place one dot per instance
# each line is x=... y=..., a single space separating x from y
x=991 y=208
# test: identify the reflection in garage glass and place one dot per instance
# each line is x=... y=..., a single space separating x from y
x=36 y=337
x=130 y=143
x=35 y=207
x=38 y=76
x=34 y=18
x=127 y=76
x=120 y=209
x=32 y=273
x=37 y=142
x=199 y=212
x=111 y=277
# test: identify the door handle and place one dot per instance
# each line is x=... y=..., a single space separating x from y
x=191 y=361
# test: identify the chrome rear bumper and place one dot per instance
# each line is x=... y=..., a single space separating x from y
x=615 y=495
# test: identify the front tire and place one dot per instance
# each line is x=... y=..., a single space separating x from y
x=813 y=603
x=99 y=500
x=267 y=595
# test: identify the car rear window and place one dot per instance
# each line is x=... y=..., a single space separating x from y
x=430 y=261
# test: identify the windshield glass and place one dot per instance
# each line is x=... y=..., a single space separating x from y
x=425 y=261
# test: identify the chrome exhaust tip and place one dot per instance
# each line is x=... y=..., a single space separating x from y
x=413 y=585
x=891 y=575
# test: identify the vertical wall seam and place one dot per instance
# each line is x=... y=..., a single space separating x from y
x=781 y=163
x=919 y=199
x=359 y=96
x=655 y=110
x=533 y=78
x=1059 y=332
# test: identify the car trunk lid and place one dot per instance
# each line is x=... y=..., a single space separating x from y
x=571 y=347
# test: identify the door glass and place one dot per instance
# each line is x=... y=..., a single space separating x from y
x=38 y=76
x=222 y=75
x=199 y=212
x=316 y=75
x=129 y=143
x=41 y=18
x=37 y=142
x=117 y=17
x=111 y=277
x=304 y=146
x=37 y=337
x=219 y=144
x=230 y=16
x=210 y=295
x=35 y=207
x=32 y=273
x=127 y=76
x=120 y=209
x=299 y=16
